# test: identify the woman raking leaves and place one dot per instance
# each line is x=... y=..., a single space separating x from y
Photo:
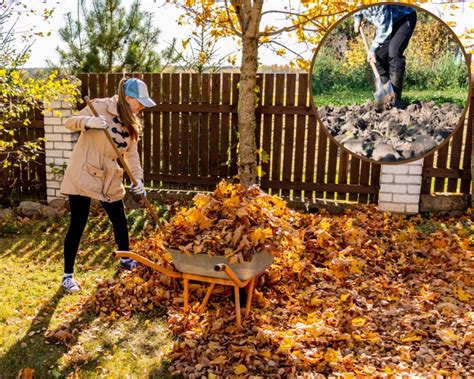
x=93 y=171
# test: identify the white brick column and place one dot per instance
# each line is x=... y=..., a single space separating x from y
x=400 y=187
x=58 y=147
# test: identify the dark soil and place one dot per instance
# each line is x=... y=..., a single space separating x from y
x=394 y=134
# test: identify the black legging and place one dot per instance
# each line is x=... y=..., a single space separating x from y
x=389 y=55
x=79 y=214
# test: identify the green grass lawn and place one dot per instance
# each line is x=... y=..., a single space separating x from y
x=347 y=97
x=33 y=303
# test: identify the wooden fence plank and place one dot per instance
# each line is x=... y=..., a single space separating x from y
x=194 y=126
x=455 y=158
x=224 y=153
x=300 y=143
x=354 y=175
x=214 y=127
x=289 y=131
x=364 y=180
x=267 y=124
x=166 y=93
x=101 y=85
x=156 y=126
x=466 y=183
x=185 y=128
x=375 y=181
x=441 y=162
x=310 y=163
x=204 y=128
x=234 y=127
x=323 y=140
x=175 y=155
x=277 y=131
x=342 y=172
x=331 y=167
x=147 y=134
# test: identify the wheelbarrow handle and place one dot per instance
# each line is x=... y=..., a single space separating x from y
x=149 y=263
x=230 y=273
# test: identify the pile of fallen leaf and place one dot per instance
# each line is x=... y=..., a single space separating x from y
x=234 y=221
x=362 y=293
x=391 y=135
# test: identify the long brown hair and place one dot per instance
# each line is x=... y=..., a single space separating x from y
x=132 y=122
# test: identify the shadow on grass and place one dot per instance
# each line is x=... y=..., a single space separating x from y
x=30 y=351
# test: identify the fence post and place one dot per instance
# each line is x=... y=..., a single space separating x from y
x=59 y=144
x=400 y=187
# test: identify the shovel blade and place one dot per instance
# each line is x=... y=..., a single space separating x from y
x=383 y=91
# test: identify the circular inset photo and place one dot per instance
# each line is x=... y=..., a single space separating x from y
x=390 y=83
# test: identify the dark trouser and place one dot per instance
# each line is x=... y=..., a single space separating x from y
x=79 y=214
x=390 y=58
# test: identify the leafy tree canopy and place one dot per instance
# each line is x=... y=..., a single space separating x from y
x=104 y=36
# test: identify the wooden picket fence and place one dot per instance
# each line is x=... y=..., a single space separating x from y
x=190 y=139
x=26 y=180
x=448 y=170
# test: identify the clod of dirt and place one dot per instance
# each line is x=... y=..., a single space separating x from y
x=394 y=134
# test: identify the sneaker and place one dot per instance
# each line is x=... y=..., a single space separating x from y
x=128 y=263
x=70 y=285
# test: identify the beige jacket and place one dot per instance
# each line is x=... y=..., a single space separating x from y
x=93 y=170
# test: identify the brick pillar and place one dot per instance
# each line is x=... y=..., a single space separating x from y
x=59 y=144
x=400 y=187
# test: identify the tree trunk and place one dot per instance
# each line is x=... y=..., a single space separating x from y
x=250 y=22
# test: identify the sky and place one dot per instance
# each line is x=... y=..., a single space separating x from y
x=166 y=15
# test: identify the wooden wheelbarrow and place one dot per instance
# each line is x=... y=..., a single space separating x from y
x=213 y=270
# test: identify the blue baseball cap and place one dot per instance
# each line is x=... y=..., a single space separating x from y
x=137 y=89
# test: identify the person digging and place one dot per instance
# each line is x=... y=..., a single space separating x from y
x=394 y=25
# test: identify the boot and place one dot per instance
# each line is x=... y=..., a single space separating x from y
x=397 y=83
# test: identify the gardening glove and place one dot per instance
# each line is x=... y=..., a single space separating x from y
x=96 y=123
x=138 y=189
x=371 y=57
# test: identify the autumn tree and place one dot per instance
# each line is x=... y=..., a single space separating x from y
x=200 y=53
x=21 y=93
x=245 y=20
x=104 y=36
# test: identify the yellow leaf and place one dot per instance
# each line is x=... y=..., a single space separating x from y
x=332 y=356
x=281 y=52
x=240 y=369
x=324 y=224
x=211 y=375
x=185 y=42
x=344 y=296
x=460 y=294
x=359 y=321
x=411 y=337
x=316 y=300
x=448 y=336
x=266 y=354
x=259 y=235
x=355 y=266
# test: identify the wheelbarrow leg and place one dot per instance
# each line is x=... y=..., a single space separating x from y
x=186 y=294
x=206 y=298
x=237 y=307
x=249 y=297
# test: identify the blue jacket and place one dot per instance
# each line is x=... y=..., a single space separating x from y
x=382 y=17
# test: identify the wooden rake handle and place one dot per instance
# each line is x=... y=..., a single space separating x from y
x=148 y=205
x=372 y=64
